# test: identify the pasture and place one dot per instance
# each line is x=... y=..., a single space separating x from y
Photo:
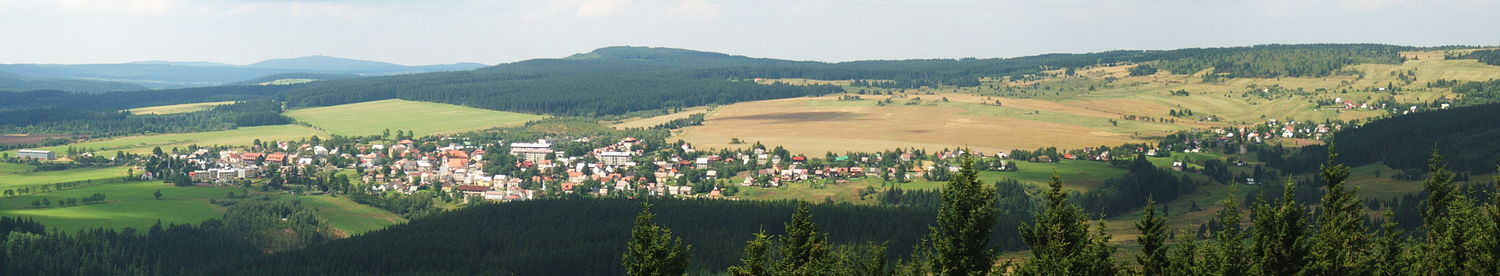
x=13 y=176
x=127 y=204
x=826 y=124
x=425 y=118
x=240 y=136
x=176 y=108
x=653 y=121
x=348 y=216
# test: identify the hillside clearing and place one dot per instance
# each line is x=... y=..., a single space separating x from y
x=372 y=118
x=176 y=108
x=240 y=136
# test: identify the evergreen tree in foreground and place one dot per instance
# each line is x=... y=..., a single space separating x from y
x=961 y=238
x=1460 y=237
x=1153 y=259
x=1339 y=240
x=1280 y=235
x=1226 y=255
x=805 y=251
x=653 y=250
x=1061 y=241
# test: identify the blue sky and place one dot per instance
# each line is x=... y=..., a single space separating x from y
x=448 y=31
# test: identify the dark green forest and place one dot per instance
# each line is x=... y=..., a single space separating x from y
x=1467 y=135
x=577 y=237
x=104 y=123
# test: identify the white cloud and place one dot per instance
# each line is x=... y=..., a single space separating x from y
x=697 y=9
x=601 y=8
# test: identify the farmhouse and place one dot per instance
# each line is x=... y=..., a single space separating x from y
x=36 y=154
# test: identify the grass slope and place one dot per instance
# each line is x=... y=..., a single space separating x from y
x=348 y=216
x=368 y=118
x=176 y=108
x=241 y=136
x=10 y=179
x=128 y=204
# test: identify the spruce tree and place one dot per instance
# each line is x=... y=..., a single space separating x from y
x=1182 y=257
x=1389 y=254
x=1440 y=192
x=1226 y=256
x=1061 y=241
x=757 y=257
x=1280 y=235
x=961 y=237
x=653 y=250
x=1154 y=250
x=1338 y=241
x=804 y=251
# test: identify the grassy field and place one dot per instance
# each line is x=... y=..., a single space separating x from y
x=1087 y=109
x=241 y=136
x=12 y=180
x=368 y=118
x=131 y=203
x=176 y=108
x=658 y=120
x=826 y=124
x=1077 y=176
x=348 y=216
x=127 y=204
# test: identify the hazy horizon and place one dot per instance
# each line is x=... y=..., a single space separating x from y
x=453 y=31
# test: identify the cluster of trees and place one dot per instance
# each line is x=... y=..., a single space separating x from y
x=1142 y=180
x=691 y=120
x=1143 y=70
x=1478 y=91
x=1491 y=57
x=247 y=229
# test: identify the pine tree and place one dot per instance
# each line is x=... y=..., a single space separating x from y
x=1226 y=256
x=653 y=250
x=1389 y=254
x=1338 y=241
x=1061 y=241
x=757 y=256
x=1280 y=235
x=961 y=237
x=1154 y=250
x=1440 y=192
x=1182 y=257
x=804 y=250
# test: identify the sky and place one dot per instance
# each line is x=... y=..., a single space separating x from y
x=500 y=31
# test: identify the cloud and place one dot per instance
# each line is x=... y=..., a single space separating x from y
x=697 y=9
x=601 y=8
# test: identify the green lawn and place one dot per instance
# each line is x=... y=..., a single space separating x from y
x=21 y=179
x=13 y=168
x=128 y=204
x=241 y=136
x=1076 y=175
x=369 y=118
x=348 y=216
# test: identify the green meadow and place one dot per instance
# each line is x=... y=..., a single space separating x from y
x=15 y=179
x=369 y=118
x=128 y=204
x=348 y=216
x=240 y=136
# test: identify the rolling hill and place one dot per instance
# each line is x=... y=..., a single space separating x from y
x=170 y=74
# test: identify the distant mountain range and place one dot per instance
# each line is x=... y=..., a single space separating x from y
x=99 y=78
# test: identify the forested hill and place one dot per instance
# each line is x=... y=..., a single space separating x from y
x=1468 y=136
x=618 y=80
